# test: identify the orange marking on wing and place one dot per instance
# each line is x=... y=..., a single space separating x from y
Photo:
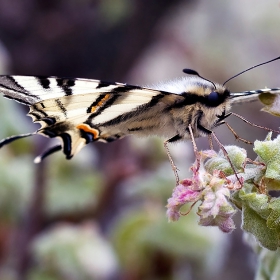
x=87 y=128
x=100 y=103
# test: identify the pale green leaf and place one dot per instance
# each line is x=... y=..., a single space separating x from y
x=253 y=223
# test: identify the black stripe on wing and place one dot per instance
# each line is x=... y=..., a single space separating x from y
x=44 y=82
x=13 y=90
x=105 y=84
x=139 y=110
x=107 y=103
x=66 y=85
x=61 y=107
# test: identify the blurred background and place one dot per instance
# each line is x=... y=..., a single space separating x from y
x=102 y=214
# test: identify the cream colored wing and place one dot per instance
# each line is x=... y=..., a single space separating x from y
x=80 y=111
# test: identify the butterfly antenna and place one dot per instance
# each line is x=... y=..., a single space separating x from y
x=251 y=69
x=193 y=72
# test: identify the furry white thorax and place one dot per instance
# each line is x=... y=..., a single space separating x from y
x=182 y=84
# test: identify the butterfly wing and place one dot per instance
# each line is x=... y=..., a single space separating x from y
x=80 y=111
x=237 y=98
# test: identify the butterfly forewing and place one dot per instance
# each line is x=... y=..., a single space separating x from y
x=81 y=110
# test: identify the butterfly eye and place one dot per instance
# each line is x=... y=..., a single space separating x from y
x=213 y=98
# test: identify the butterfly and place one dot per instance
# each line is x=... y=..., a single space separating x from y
x=80 y=111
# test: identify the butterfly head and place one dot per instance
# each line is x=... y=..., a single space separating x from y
x=215 y=106
x=209 y=94
x=206 y=103
x=213 y=94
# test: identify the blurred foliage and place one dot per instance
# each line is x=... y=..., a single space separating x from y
x=144 y=232
x=115 y=11
x=68 y=196
x=73 y=252
x=14 y=190
x=268 y=261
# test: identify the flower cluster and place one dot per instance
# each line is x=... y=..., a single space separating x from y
x=212 y=190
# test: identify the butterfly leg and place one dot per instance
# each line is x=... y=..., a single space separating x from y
x=192 y=139
x=210 y=140
x=237 y=137
x=253 y=124
x=209 y=132
x=194 y=145
x=173 y=166
x=227 y=156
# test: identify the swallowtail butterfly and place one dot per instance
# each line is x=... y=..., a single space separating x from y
x=80 y=111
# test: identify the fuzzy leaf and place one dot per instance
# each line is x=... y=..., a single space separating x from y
x=260 y=218
x=218 y=163
x=273 y=220
x=257 y=202
x=253 y=223
x=237 y=156
x=269 y=152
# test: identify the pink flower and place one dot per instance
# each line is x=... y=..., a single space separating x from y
x=181 y=195
x=212 y=190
